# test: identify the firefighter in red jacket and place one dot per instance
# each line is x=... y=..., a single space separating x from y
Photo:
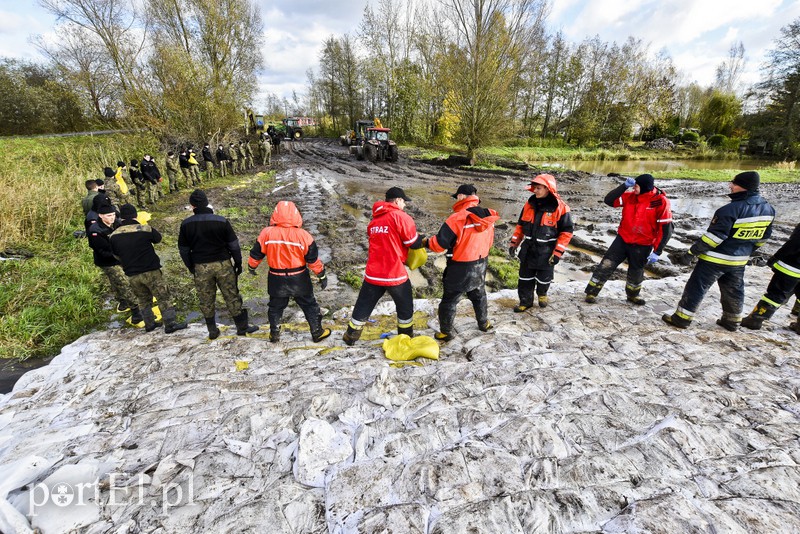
x=391 y=233
x=466 y=236
x=543 y=231
x=290 y=252
x=643 y=232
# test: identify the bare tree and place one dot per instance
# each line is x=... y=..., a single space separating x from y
x=730 y=71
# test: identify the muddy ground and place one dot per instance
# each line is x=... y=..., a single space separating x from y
x=335 y=193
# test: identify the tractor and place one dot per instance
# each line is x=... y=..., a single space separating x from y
x=356 y=135
x=292 y=128
x=376 y=146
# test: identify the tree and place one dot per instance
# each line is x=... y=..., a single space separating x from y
x=730 y=71
x=719 y=113
x=489 y=38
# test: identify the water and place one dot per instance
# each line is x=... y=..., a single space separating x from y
x=643 y=166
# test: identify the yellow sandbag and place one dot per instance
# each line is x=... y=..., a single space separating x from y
x=143 y=217
x=416 y=258
x=402 y=348
x=121 y=182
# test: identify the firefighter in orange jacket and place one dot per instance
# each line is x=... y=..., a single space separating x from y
x=466 y=236
x=391 y=233
x=644 y=230
x=290 y=252
x=543 y=232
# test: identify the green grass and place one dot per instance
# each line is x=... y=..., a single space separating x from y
x=354 y=279
x=776 y=175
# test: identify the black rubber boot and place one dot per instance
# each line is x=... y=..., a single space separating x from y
x=592 y=290
x=274 y=334
x=633 y=296
x=407 y=330
x=351 y=336
x=213 y=331
x=170 y=323
x=762 y=312
x=136 y=315
x=676 y=320
x=319 y=335
x=242 y=327
x=796 y=308
x=728 y=324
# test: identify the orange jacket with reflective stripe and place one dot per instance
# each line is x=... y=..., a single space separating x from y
x=468 y=233
x=286 y=246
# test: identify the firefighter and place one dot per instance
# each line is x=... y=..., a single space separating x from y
x=785 y=281
x=391 y=234
x=543 y=231
x=643 y=232
x=290 y=252
x=737 y=230
x=466 y=236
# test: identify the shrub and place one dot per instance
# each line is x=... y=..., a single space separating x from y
x=717 y=140
x=690 y=137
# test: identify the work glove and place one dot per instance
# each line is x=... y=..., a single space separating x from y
x=323 y=279
x=682 y=258
x=512 y=252
x=424 y=242
x=251 y=271
x=630 y=182
x=553 y=260
x=653 y=257
x=237 y=269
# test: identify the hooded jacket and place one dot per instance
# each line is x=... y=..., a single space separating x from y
x=289 y=250
x=391 y=233
x=466 y=235
x=544 y=227
x=736 y=230
x=206 y=237
x=646 y=218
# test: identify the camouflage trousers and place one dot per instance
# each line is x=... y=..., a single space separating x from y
x=187 y=177
x=172 y=176
x=234 y=166
x=223 y=168
x=209 y=170
x=119 y=284
x=152 y=192
x=148 y=285
x=194 y=171
x=210 y=276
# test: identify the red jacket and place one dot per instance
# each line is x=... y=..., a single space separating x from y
x=468 y=233
x=644 y=217
x=287 y=247
x=391 y=233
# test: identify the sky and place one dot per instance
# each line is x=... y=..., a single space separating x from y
x=697 y=34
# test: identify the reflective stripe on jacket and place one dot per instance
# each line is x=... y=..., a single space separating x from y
x=550 y=228
x=644 y=218
x=787 y=259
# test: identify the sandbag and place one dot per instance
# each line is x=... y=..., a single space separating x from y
x=402 y=348
x=416 y=258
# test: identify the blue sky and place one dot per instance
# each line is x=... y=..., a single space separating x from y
x=697 y=34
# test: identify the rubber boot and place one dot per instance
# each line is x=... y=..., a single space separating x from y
x=633 y=296
x=676 y=320
x=543 y=301
x=274 y=334
x=728 y=324
x=796 y=308
x=319 y=335
x=592 y=290
x=762 y=312
x=213 y=331
x=407 y=330
x=149 y=319
x=170 y=323
x=136 y=315
x=351 y=335
x=123 y=306
x=242 y=327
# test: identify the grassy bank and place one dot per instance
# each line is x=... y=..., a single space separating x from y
x=772 y=174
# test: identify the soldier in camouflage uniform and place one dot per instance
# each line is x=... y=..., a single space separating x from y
x=194 y=167
x=112 y=188
x=242 y=157
x=139 y=186
x=104 y=259
x=233 y=155
x=208 y=244
x=132 y=244
x=265 y=147
x=152 y=179
x=249 y=154
x=183 y=163
x=172 y=172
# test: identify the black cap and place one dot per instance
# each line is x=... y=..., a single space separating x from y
x=465 y=189
x=750 y=180
x=198 y=199
x=120 y=164
x=99 y=200
x=109 y=172
x=396 y=192
x=128 y=211
x=105 y=208
x=646 y=183
x=99 y=182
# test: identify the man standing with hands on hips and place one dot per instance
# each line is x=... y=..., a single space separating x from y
x=643 y=232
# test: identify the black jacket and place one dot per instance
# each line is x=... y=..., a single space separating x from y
x=132 y=244
x=207 y=154
x=101 y=246
x=205 y=237
x=150 y=171
x=183 y=160
x=221 y=155
x=136 y=177
x=787 y=257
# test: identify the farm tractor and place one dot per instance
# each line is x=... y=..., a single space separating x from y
x=356 y=135
x=376 y=146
